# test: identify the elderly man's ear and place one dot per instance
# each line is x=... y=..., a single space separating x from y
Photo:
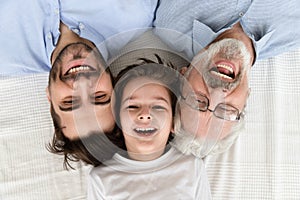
x=183 y=70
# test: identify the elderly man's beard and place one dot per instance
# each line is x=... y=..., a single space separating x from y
x=227 y=49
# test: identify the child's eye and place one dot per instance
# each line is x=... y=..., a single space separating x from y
x=157 y=107
x=132 y=107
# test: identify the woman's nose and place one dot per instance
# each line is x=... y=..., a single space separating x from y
x=82 y=83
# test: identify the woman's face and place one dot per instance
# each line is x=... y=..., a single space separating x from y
x=80 y=91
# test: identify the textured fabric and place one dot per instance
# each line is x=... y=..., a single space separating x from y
x=27 y=170
x=190 y=25
x=171 y=176
x=264 y=162
x=29 y=36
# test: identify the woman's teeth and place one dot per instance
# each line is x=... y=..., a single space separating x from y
x=80 y=69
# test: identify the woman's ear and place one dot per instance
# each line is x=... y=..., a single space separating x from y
x=48 y=94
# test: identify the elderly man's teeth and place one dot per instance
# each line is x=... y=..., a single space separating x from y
x=226 y=67
x=221 y=75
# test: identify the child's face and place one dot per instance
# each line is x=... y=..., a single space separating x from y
x=146 y=118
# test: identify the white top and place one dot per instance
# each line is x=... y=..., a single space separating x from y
x=172 y=176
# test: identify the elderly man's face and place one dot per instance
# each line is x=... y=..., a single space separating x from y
x=80 y=91
x=218 y=75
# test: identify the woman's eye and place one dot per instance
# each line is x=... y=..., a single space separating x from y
x=99 y=97
x=102 y=99
x=70 y=102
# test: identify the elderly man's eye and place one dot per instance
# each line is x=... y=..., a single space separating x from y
x=228 y=108
x=202 y=104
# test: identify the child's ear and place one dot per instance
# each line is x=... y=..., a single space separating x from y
x=172 y=128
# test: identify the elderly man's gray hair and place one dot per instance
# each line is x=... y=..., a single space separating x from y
x=189 y=144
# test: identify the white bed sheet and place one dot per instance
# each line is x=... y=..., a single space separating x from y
x=27 y=169
x=265 y=161
x=263 y=164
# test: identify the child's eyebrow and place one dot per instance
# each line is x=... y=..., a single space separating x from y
x=127 y=99
x=159 y=98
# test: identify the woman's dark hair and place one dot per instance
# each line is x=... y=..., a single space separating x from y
x=93 y=149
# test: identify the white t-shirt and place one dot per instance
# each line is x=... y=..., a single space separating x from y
x=172 y=176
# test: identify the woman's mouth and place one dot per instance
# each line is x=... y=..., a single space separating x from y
x=79 y=68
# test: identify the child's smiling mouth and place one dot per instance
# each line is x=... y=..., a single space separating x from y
x=145 y=131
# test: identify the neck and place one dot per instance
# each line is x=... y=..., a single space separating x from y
x=237 y=32
x=146 y=157
x=67 y=37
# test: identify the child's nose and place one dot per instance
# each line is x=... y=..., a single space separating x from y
x=145 y=115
